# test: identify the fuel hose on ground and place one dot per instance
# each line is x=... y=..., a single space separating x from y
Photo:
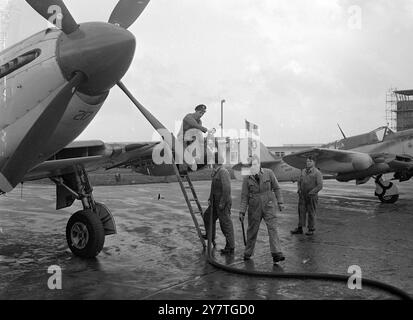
x=299 y=276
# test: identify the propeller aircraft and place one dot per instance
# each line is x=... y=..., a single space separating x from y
x=54 y=84
x=365 y=156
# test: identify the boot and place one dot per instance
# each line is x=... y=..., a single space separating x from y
x=298 y=230
x=277 y=257
x=183 y=169
x=227 y=251
x=310 y=232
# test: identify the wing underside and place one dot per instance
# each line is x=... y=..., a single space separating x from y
x=346 y=162
x=92 y=155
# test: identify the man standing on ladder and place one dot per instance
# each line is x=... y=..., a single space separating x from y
x=192 y=121
x=192 y=129
x=220 y=203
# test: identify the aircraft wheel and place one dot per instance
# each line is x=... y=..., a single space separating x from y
x=85 y=234
x=389 y=199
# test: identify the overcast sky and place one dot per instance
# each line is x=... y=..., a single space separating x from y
x=294 y=67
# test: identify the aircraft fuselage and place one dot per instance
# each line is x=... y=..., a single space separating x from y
x=397 y=143
x=28 y=90
x=34 y=71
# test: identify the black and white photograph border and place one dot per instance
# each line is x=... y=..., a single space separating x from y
x=228 y=150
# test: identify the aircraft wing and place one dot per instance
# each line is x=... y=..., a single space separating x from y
x=338 y=161
x=92 y=155
x=264 y=164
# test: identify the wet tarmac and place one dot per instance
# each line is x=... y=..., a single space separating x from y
x=157 y=255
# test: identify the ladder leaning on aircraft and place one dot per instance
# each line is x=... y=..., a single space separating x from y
x=56 y=82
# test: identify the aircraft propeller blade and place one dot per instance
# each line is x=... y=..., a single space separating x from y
x=127 y=11
x=52 y=9
x=21 y=161
x=149 y=116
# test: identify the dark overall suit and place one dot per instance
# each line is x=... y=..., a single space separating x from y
x=309 y=184
x=221 y=202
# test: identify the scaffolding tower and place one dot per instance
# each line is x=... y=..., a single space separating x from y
x=4 y=22
x=4 y=25
x=391 y=108
x=399 y=109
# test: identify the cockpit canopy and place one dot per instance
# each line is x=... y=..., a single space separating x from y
x=382 y=133
x=375 y=136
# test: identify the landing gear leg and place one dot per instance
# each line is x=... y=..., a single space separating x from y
x=86 y=229
x=386 y=191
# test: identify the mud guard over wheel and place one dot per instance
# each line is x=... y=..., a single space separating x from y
x=106 y=218
x=386 y=191
x=85 y=234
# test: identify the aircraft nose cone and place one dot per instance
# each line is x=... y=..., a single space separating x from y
x=103 y=52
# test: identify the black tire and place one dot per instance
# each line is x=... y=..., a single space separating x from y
x=90 y=240
x=389 y=199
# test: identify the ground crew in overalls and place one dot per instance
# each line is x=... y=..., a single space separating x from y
x=220 y=202
x=309 y=185
x=260 y=194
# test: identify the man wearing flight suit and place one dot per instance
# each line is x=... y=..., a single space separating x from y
x=309 y=185
x=220 y=204
x=260 y=194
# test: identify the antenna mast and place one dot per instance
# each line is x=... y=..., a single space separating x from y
x=342 y=132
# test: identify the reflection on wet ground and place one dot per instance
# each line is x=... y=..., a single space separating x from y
x=157 y=255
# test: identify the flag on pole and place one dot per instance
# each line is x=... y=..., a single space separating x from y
x=251 y=127
x=253 y=138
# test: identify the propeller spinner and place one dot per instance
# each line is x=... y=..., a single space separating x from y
x=102 y=51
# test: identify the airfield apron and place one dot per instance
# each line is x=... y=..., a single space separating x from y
x=221 y=194
x=260 y=197
x=307 y=203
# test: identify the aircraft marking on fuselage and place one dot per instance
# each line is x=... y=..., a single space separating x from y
x=83 y=115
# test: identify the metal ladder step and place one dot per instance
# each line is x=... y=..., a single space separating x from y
x=185 y=183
